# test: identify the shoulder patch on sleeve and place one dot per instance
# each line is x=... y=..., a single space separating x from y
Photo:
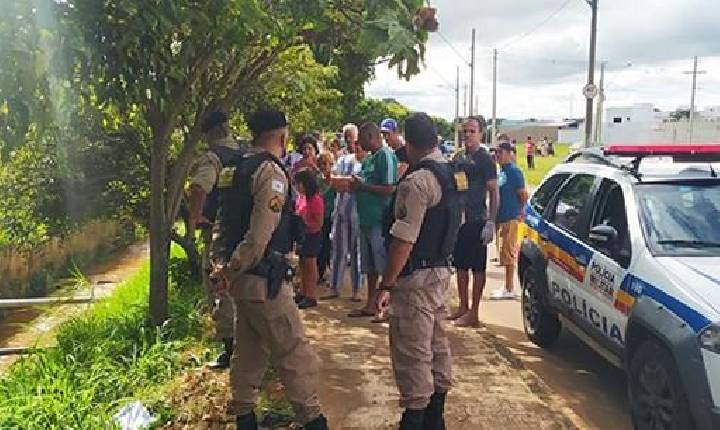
x=278 y=186
x=275 y=204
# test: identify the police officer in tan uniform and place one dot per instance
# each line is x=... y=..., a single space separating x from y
x=203 y=209
x=422 y=233
x=250 y=242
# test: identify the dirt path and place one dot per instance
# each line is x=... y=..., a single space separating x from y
x=35 y=326
x=492 y=388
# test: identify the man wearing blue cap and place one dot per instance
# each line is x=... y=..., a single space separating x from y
x=391 y=132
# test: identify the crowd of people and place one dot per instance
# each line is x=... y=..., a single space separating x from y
x=387 y=205
x=349 y=178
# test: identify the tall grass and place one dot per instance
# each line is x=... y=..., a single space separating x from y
x=542 y=164
x=103 y=358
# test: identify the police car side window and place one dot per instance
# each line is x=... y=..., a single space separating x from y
x=545 y=193
x=572 y=203
x=611 y=211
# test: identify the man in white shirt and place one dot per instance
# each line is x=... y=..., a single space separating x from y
x=345 y=221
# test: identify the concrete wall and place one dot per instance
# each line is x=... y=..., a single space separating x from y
x=537 y=133
x=704 y=131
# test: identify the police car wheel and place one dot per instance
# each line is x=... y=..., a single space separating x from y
x=542 y=325
x=657 y=398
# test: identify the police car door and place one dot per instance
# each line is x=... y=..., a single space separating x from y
x=609 y=237
x=567 y=253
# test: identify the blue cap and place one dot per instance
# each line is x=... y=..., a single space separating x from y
x=389 y=125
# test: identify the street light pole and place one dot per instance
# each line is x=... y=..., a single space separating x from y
x=493 y=137
x=600 y=105
x=591 y=72
x=456 y=120
x=472 y=73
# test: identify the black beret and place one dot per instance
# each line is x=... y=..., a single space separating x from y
x=213 y=119
x=266 y=120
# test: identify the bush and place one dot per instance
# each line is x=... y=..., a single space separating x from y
x=102 y=358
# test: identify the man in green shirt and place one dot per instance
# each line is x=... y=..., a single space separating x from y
x=373 y=194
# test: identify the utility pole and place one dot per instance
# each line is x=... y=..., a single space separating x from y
x=493 y=137
x=472 y=72
x=465 y=101
x=600 y=104
x=456 y=120
x=591 y=73
x=691 y=119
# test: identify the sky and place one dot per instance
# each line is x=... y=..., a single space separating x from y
x=543 y=56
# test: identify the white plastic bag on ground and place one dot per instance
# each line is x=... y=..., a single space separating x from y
x=133 y=416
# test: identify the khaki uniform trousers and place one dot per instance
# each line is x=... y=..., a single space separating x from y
x=418 y=342
x=271 y=332
x=221 y=304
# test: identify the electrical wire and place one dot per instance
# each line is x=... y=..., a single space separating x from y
x=537 y=27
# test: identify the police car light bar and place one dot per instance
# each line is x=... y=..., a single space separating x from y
x=698 y=152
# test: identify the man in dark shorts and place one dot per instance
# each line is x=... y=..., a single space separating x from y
x=478 y=228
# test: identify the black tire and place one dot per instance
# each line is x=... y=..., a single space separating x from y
x=541 y=323
x=657 y=397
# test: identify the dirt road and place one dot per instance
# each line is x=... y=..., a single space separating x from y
x=593 y=388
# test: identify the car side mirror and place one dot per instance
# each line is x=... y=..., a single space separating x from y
x=603 y=235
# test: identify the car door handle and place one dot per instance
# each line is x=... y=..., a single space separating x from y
x=544 y=236
x=580 y=260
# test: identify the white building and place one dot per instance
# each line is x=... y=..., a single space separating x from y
x=643 y=123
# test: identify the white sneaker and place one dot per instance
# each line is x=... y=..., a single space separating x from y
x=502 y=294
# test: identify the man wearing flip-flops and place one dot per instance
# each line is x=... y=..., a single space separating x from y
x=373 y=193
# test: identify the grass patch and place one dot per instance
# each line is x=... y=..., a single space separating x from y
x=104 y=357
x=542 y=164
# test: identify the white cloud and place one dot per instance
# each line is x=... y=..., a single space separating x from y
x=542 y=73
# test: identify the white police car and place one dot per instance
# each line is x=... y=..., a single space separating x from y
x=622 y=247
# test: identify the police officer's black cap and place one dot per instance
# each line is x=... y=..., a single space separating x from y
x=266 y=120
x=213 y=119
x=420 y=131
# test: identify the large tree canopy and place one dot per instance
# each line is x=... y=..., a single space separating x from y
x=164 y=64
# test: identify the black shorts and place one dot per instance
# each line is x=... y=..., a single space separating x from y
x=310 y=245
x=470 y=251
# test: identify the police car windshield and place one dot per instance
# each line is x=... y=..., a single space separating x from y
x=681 y=219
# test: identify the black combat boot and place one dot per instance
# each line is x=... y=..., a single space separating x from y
x=223 y=360
x=247 y=422
x=434 y=413
x=412 y=419
x=319 y=423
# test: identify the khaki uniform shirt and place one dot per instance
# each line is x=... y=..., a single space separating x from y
x=269 y=188
x=418 y=192
x=208 y=166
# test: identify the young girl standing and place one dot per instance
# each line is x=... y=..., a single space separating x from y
x=310 y=207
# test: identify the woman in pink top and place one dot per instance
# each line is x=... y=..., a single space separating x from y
x=309 y=206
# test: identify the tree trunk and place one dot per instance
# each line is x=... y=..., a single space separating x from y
x=159 y=231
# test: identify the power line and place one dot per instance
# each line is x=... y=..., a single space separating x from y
x=537 y=27
x=457 y=52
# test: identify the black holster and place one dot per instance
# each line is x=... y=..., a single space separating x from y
x=275 y=268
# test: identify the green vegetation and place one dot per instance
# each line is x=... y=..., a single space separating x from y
x=542 y=164
x=103 y=358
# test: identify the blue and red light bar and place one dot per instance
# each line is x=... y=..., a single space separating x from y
x=696 y=151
